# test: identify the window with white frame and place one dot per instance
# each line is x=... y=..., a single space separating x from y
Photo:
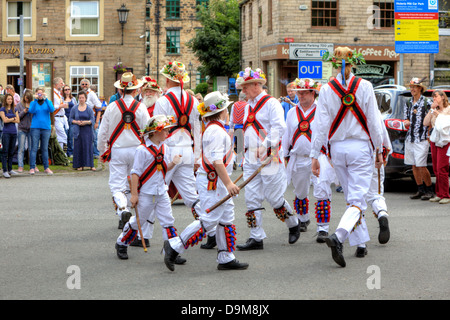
x=84 y=18
x=78 y=73
x=14 y=9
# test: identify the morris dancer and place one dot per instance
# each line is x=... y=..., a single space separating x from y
x=150 y=93
x=353 y=136
x=118 y=138
x=148 y=188
x=297 y=146
x=213 y=183
x=264 y=127
x=185 y=137
x=375 y=197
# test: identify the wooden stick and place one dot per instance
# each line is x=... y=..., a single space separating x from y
x=139 y=228
x=175 y=197
x=379 y=176
x=243 y=184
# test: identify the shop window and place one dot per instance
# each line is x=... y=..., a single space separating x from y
x=172 y=9
x=173 y=41
x=444 y=17
x=324 y=13
x=78 y=73
x=384 y=17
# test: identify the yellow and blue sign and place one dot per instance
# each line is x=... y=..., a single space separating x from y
x=416 y=26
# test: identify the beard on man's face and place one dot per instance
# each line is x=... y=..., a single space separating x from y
x=150 y=100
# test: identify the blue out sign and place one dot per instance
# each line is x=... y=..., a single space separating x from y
x=310 y=69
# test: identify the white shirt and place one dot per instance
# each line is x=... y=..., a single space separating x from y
x=57 y=100
x=180 y=137
x=271 y=118
x=328 y=106
x=93 y=101
x=112 y=118
x=303 y=146
x=155 y=185
x=216 y=144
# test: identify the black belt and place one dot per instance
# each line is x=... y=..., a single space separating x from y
x=59 y=116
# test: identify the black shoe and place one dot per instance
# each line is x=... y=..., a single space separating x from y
x=179 y=260
x=251 y=244
x=210 y=244
x=232 y=265
x=121 y=252
x=294 y=233
x=321 y=236
x=428 y=193
x=361 y=252
x=170 y=256
x=124 y=219
x=420 y=192
x=304 y=226
x=138 y=243
x=336 y=249
x=384 y=235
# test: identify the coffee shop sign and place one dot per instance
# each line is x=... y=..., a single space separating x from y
x=373 y=52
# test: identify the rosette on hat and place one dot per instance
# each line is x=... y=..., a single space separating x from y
x=128 y=81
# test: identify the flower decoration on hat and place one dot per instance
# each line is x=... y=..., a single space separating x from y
x=214 y=102
x=306 y=84
x=343 y=54
x=159 y=123
x=175 y=71
x=249 y=76
x=150 y=83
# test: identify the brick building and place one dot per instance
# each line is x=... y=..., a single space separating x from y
x=72 y=40
x=275 y=33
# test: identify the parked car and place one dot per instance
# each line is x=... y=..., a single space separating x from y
x=391 y=100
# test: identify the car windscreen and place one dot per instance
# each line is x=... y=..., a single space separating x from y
x=398 y=112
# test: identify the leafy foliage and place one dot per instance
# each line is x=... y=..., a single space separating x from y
x=216 y=45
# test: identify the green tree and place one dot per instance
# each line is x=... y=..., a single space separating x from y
x=216 y=45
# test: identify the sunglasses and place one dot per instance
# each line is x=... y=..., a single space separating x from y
x=83 y=84
x=67 y=89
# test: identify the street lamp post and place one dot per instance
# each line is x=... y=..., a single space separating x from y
x=123 y=16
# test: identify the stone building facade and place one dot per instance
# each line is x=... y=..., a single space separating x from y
x=71 y=40
x=170 y=24
x=275 y=35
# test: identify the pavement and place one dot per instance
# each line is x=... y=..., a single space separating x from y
x=58 y=235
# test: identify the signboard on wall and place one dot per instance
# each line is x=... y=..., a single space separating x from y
x=416 y=26
x=309 y=51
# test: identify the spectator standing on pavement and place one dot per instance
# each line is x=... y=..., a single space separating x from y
x=96 y=105
x=416 y=143
x=9 y=137
x=70 y=100
x=24 y=134
x=290 y=101
x=61 y=122
x=82 y=117
x=439 y=119
x=41 y=109
x=10 y=89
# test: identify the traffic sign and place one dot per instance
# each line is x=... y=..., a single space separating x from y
x=309 y=51
x=310 y=69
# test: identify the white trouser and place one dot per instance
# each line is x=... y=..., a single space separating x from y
x=221 y=217
x=270 y=184
x=353 y=161
x=183 y=176
x=120 y=166
x=148 y=207
x=374 y=199
x=300 y=174
x=60 y=124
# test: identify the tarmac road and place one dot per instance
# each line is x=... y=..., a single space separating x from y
x=58 y=234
